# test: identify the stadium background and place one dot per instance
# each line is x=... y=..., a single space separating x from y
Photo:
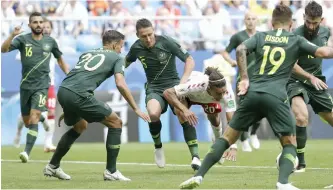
x=203 y=27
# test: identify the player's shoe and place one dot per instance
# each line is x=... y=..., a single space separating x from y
x=300 y=168
x=159 y=157
x=287 y=186
x=246 y=146
x=191 y=183
x=57 y=173
x=255 y=141
x=196 y=163
x=116 y=176
x=24 y=157
x=49 y=148
x=17 y=140
x=329 y=187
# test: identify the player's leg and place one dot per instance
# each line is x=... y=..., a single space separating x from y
x=253 y=136
x=49 y=121
x=155 y=107
x=190 y=137
x=20 y=125
x=322 y=104
x=244 y=137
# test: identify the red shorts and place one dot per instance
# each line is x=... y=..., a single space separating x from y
x=209 y=108
x=51 y=101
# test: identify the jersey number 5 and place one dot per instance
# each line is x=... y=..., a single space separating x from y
x=87 y=58
x=270 y=55
x=28 y=51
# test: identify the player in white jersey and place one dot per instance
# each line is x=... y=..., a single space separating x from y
x=209 y=90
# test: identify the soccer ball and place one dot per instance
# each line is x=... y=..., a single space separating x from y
x=278 y=158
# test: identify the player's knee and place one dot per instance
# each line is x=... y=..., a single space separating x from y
x=285 y=140
x=154 y=116
x=113 y=122
x=34 y=117
x=301 y=118
x=80 y=126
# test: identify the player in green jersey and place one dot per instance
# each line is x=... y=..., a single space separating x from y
x=35 y=50
x=76 y=97
x=276 y=53
x=250 y=21
x=300 y=91
x=158 y=57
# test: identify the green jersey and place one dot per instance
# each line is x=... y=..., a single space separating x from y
x=235 y=41
x=309 y=63
x=276 y=53
x=159 y=62
x=35 y=58
x=93 y=68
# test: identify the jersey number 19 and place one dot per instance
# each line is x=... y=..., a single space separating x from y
x=269 y=55
x=87 y=58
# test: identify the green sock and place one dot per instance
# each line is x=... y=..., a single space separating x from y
x=63 y=146
x=301 y=138
x=255 y=128
x=31 y=138
x=213 y=156
x=155 y=131
x=243 y=136
x=41 y=118
x=286 y=163
x=190 y=137
x=112 y=148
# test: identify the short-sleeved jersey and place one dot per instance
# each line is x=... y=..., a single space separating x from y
x=309 y=63
x=35 y=58
x=159 y=62
x=234 y=42
x=93 y=68
x=276 y=54
x=195 y=89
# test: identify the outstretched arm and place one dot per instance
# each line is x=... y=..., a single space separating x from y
x=316 y=82
x=189 y=66
x=241 y=61
x=64 y=67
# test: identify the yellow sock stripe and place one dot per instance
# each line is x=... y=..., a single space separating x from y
x=33 y=133
x=301 y=150
x=192 y=142
x=114 y=146
x=290 y=157
x=155 y=136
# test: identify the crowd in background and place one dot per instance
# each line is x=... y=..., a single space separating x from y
x=211 y=33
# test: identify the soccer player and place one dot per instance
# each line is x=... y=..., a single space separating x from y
x=209 y=90
x=277 y=52
x=47 y=118
x=76 y=97
x=300 y=91
x=250 y=21
x=158 y=57
x=35 y=50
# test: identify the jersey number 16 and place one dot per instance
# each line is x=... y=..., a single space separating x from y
x=269 y=55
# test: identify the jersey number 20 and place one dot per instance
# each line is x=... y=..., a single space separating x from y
x=87 y=58
x=269 y=55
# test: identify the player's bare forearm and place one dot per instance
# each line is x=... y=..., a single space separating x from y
x=227 y=57
x=324 y=52
x=124 y=91
x=6 y=44
x=189 y=66
x=229 y=115
x=301 y=73
x=64 y=67
x=241 y=61
x=171 y=96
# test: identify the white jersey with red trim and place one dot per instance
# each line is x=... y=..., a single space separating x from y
x=195 y=89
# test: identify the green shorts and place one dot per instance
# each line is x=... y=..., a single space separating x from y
x=76 y=107
x=320 y=100
x=256 y=105
x=33 y=99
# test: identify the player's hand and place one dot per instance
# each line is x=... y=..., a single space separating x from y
x=190 y=117
x=318 y=84
x=143 y=116
x=233 y=63
x=60 y=119
x=243 y=86
x=230 y=155
x=17 y=30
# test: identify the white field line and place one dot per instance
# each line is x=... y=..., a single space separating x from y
x=151 y=164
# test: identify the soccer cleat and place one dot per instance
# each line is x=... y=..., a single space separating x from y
x=287 y=186
x=300 y=168
x=49 y=148
x=221 y=161
x=196 y=163
x=246 y=146
x=255 y=141
x=191 y=183
x=116 y=176
x=57 y=173
x=17 y=141
x=159 y=157
x=329 y=187
x=24 y=157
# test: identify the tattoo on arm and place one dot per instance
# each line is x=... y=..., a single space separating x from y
x=241 y=61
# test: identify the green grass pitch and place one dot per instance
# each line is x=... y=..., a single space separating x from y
x=255 y=170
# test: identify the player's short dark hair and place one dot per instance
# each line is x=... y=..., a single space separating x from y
x=47 y=20
x=110 y=36
x=143 y=23
x=282 y=14
x=313 y=9
x=33 y=15
x=216 y=78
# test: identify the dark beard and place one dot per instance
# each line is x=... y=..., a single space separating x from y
x=35 y=32
x=308 y=35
